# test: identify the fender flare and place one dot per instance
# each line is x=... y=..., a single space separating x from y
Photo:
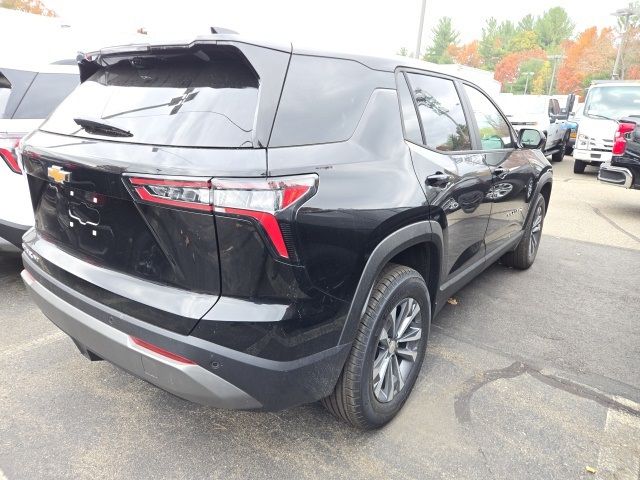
x=427 y=231
x=546 y=177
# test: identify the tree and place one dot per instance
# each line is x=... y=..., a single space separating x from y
x=541 y=79
x=553 y=27
x=403 y=52
x=443 y=37
x=29 y=6
x=466 y=54
x=524 y=40
x=509 y=68
x=526 y=23
x=496 y=41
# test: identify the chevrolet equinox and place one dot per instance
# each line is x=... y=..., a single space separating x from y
x=254 y=226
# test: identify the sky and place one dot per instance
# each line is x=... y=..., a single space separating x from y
x=373 y=27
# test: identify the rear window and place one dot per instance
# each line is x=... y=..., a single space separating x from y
x=204 y=98
x=323 y=100
x=45 y=93
x=13 y=86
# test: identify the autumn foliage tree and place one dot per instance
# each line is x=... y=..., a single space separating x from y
x=508 y=69
x=29 y=6
x=466 y=54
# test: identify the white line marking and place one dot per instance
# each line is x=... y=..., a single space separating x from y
x=619 y=457
x=30 y=345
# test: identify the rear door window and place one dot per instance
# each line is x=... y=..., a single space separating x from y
x=206 y=97
x=45 y=93
x=13 y=85
x=443 y=122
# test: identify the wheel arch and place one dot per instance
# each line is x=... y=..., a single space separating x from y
x=418 y=245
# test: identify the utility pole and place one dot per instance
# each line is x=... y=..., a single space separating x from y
x=555 y=59
x=622 y=13
x=528 y=75
x=419 y=41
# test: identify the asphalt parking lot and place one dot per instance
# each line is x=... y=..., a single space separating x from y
x=532 y=374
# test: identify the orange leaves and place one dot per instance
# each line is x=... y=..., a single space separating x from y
x=466 y=54
x=507 y=69
x=589 y=55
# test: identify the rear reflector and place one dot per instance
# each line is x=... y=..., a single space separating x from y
x=161 y=351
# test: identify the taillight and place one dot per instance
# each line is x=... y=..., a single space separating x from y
x=8 y=153
x=263 y=200
x=189 y=194
x=619 y=139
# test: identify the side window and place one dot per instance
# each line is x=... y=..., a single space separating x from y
x=45 y=93
x=495 y=133
x=443 y=122
x=409 y=116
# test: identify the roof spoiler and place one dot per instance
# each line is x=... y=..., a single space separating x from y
x=222 y=30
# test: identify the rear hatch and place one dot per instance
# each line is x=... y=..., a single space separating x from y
x=119 y=174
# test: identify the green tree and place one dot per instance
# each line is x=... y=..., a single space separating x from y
x=444 y=36
x=403 y=52
x=496 y=41
x=541 y=79
x=526 y=23
x=553 y=27
x=524 y=40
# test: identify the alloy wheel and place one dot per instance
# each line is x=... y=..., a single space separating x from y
x=397 y=349
x=536 y=231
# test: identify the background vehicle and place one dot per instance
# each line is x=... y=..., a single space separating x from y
x=544 y=113
x=205 y=218
x=624 y=168
x=606 y=102
x=27 y=96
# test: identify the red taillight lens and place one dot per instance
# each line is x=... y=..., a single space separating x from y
x=619 y=139
x=161 y=351
x=189 y=194
x=259 y=199
x=8 y=153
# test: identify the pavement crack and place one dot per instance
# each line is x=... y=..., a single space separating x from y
x=462 y=401
x=614 y=224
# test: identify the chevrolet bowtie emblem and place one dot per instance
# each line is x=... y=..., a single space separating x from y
x=58 y=175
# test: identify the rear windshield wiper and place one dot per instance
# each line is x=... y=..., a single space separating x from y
x=99 y=127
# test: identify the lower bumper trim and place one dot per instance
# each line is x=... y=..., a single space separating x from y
x=189 y=381
x=618 y=176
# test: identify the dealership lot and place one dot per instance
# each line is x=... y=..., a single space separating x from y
x=512 y=387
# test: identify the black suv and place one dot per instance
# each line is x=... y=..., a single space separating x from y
x=248 y=225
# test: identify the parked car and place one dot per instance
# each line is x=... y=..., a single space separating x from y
x=606 y=102
x=249 y=225
x=544 y=113
x=624 y=168
x=27 y=97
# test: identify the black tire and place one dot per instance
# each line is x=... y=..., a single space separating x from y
x=578 y=166
x=353 y=398
x=569 y=150
x=525 y=254
x=559 y=155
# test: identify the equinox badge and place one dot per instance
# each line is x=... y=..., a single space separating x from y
x=58 y=175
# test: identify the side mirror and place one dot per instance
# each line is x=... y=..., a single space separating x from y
x=531 y=138
x=552 y=118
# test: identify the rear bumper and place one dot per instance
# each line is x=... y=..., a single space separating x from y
x=218 y=376
x=618 y=176
x=13 y=232
x=591 y=156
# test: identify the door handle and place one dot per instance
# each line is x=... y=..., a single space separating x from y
x=438 y=179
